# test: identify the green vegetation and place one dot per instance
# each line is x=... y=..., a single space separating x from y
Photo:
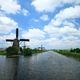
x=12 y=51
x=77 y=50
x=75 y=53
x=37 y=51
x=2 y=52
x=29 y=51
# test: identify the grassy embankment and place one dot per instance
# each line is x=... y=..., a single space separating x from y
x=74 y=53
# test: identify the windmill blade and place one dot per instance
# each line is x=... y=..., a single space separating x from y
x=9 y=40
x=24 y=40
x=17 y=33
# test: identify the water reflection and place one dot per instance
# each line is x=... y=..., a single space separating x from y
x=46 y=66
x=8 y=68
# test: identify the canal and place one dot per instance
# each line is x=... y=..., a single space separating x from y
x=44 y=66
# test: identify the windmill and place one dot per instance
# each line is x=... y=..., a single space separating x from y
x=16 y=41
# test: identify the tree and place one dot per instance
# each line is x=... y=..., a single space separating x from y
x=12 y=50
x=27 y=51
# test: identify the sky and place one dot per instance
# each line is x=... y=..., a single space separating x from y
x=55 y=24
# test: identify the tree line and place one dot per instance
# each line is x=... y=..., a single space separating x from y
x=76 y=50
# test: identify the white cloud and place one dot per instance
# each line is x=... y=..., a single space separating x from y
x=64 y=43
x=71 y=12
x=25 y=12
x=10 y=6
x=67 y=23
x=53 y=43
x=35 y=20
x=67 y=36
x=3 y=43
x=54 y=28
x=8 y=36
x=34 y=43
x=53 y=37
x=62 y=31
x=51 y=5
x=68 y=30
x=71 y=1
x=44 y=17
x=66 y=14
x=44 y=5
x=7 y=24
x=34 y=33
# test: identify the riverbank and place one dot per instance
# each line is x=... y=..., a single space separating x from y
x=68 y=53
x=26 y=53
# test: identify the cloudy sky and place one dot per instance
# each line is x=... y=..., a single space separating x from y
x=55 y=24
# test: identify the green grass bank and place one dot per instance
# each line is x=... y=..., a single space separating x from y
x=74 y=53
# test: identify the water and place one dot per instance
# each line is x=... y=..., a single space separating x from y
x=44 y=66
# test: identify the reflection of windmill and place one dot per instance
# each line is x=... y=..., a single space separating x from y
x=16 y=40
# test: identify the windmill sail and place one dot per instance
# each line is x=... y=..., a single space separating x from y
x=17 y=33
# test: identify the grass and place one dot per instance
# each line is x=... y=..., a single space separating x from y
x=2 y=52
x=69 y=54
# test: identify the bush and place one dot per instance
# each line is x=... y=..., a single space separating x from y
x=37 y=51
x=2 y=52
x=77 y=50
x=12 y=50
x=27 y=51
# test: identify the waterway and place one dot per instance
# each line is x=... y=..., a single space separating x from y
x=44 y=66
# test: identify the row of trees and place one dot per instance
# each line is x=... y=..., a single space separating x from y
x=26 y=52
x=76 y=50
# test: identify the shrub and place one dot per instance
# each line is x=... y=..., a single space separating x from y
x=27 y=51
x=12 y=50
x=77 y=50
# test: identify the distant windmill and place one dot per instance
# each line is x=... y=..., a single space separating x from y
x=16 y=40
x=41 y=48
